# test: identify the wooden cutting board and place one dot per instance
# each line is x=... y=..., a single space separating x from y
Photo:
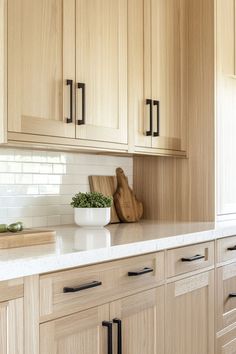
x=128 y=208
x=106 y=185
x=27 y=237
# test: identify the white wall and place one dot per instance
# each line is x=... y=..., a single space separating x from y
x=36 y=187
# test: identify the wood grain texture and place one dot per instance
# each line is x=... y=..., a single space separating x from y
x=223 y=255
x=226 y=343
x=31 y=314
x=41 y=57
x=11 y=289
x=184 y=189
x=189 y=320
x=26 y=237
x=128 y=208
x=101 y=63
x=11 y=327
x=82 y=332
x=106 y=185
x=3 y=71
x=226 y=306
x=115 y=283
x=142 y=318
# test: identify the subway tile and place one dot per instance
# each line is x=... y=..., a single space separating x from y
x=45 y=168
x=39 y=221
x=7 y=178
x=53 y=220
x=40 y=179
x=31 y=167
x=23 y=179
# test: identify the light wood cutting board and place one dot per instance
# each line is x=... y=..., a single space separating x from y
x=106 y=185
x=27 y=237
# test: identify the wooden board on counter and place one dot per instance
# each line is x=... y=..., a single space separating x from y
x=27 y=237
x=106 y=185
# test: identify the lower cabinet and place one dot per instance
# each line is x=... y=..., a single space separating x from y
x=226 y=344
x=133 y=325
x=189 y=321
x=11 y=327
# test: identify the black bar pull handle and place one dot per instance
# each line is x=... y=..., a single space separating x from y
x=232 y=248
x=119 y=334
x=108 y=324
x=70 y=119
x=157 y=103
x=192 y=259
x=140 y=272
x=232 y=295
x=81 y=86
x=149 y=103
x=93 y=284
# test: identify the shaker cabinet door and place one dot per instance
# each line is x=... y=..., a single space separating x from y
x=41 y=67
x=101 y=70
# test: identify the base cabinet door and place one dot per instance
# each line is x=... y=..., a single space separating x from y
x=11 y=327
x=141 y=318
x=81 y=333
x=190 y=315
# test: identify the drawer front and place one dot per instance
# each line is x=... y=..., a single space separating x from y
x=190 y=258
x=98 y=284
x=11 y=289
x=226 y=344
x=226 y=249
x=226 y=296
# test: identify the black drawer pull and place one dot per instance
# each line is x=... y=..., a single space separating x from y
x=232 y=295
x=140 y=272
x=93 y=284
x=81 y=86
x=157 y=103
x=109 y=336
x=194 y=258
x=149 y=102
x=231 y=248
x=119 y=334
x=70 y=119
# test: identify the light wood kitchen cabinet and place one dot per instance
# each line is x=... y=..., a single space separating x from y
x=137 y=317
x=155 y=74
x=226 y=108
x=142 y=319
x=81 y=333
x=41 y=58
x=67 y=72
x=11 y=325
x=226 y=296
x=189 y=318
x=226 y=344
x=101 y=70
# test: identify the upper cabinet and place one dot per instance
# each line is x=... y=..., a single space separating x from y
x=101 y=70
x=41 y=66
x=99 y=74
x=156 y=74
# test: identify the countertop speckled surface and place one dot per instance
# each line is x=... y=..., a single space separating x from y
x=76 y=246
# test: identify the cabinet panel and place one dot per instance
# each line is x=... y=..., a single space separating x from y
x=166 y=72
x=226 y=344
x=189 y=319
x=11 y=327
x=226 y=301
x=41 y=57
x=101 y=64
x=79 y=333
x=142 y=318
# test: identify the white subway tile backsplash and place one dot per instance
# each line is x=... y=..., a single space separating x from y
x=37 y=186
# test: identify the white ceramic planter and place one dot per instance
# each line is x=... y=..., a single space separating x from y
x=92 y=217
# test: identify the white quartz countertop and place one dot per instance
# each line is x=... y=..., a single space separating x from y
x=76 y=246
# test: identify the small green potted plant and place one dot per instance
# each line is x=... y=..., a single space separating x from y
x=92 y=209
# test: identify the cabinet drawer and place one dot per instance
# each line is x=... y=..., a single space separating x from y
x=226 y=295
x=190 y=258
x=226 y=344
x=98 y=284
x=226 y=249
x=11 y=289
